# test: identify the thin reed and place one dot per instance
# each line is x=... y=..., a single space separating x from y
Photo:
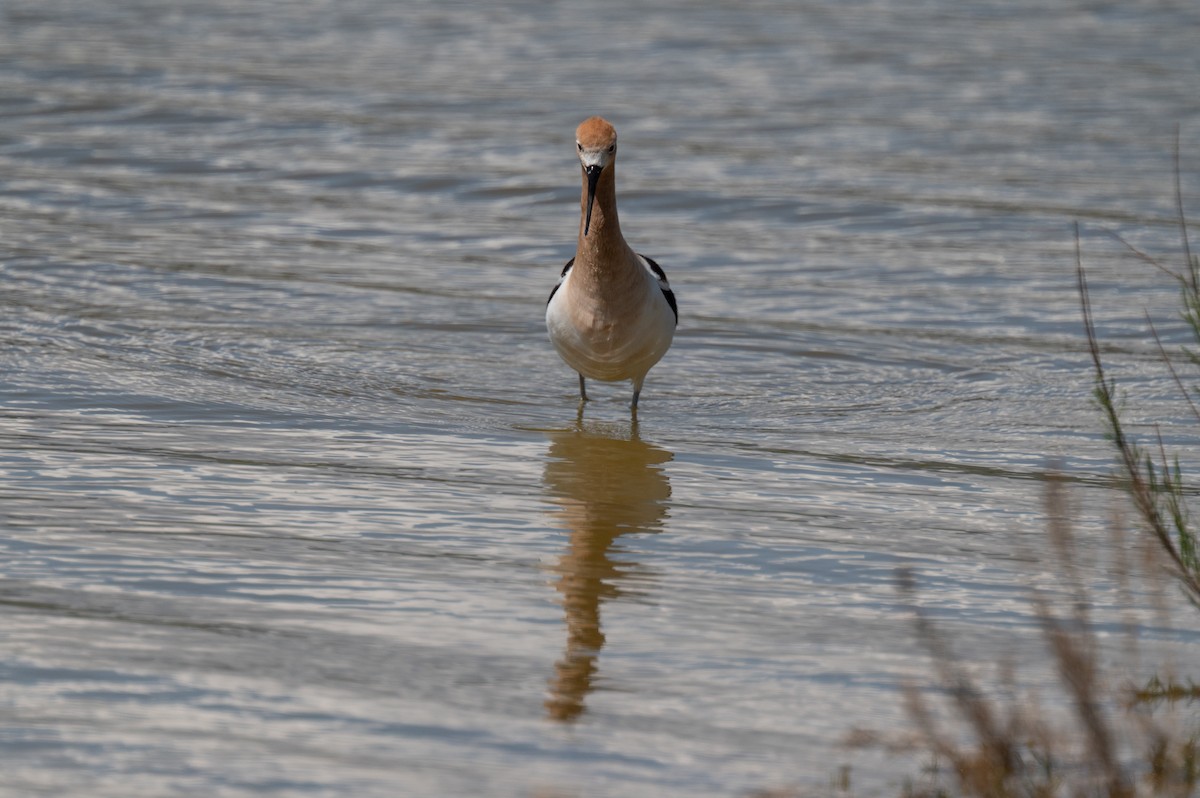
x=1114 y=742
x=1109 y=737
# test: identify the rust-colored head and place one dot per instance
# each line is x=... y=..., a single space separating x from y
x=596 y=134
x=596 y=143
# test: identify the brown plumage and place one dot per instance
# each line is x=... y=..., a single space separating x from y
x=612 y=315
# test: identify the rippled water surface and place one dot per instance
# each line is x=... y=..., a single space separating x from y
x=296 y=498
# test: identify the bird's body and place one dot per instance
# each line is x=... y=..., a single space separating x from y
x=612 y=315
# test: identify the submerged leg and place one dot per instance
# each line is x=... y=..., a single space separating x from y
x=582 y=390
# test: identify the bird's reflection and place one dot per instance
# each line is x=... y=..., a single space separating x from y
x=604 y=482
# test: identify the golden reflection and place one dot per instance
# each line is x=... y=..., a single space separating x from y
x=604 y=482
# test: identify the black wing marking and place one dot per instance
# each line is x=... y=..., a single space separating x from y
x=561 y=277
x=662 y=283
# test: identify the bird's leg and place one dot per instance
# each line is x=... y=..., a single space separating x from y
x=637 y=391
x=582 y=390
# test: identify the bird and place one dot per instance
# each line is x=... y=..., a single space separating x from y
x=612 y=314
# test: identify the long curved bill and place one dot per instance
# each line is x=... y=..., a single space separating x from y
x=593 y=176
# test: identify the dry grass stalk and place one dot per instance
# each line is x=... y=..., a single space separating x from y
x=1119 y=748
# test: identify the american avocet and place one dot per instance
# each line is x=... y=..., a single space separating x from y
x=612 y=315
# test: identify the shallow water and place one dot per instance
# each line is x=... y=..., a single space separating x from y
x=297 y=499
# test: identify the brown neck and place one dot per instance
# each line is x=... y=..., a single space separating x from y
x=603 y=238
x=604 y=244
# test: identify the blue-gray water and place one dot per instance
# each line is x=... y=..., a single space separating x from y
x=295 y=501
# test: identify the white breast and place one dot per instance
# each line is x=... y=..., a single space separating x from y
x=618 y=339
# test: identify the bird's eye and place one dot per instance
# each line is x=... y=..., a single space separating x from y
x=612 y=148
x=579 y=146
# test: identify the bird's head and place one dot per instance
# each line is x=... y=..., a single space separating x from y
x=596 y=144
